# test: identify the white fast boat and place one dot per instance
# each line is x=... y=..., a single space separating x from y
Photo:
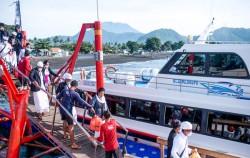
x=206 y=84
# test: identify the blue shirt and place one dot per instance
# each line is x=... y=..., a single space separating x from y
x=69 y=96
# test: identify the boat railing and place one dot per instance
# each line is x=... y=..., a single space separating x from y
x=167 y=82
x=220 y=42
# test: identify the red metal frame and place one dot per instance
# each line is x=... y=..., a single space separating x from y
x=70 y=63
x=20 y=122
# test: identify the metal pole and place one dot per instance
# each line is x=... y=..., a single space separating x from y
x=53 y=122
x=84 y=114
x=98 y=55
x=46 y=152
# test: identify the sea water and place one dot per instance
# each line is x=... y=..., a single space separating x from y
x=5 y=131
x=134 y=67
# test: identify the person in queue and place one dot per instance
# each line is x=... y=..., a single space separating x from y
x=99 y=105
x=109 y=136
x=180 y=147
x=21 y=54
x=47 y=74
x=68 y=96
x=36 y=77
x=176 y=124
x=25 y=67
x=3 y=32
x=98 y=102
x=65 y=84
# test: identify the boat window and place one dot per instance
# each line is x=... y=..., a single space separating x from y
x=228 y=65
x=233 y=127
x=145 y=111
x=117 y=105
x=183 y=114
x=189 y=64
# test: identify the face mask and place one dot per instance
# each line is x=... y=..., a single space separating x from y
x=46 y=67
x=189 y=134
x=5 y=42
x=40 y=69
x=68 y=83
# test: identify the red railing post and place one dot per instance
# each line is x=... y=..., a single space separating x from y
x=98 y=55
x=18 y=125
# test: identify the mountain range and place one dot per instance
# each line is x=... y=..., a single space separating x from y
x=121 y=33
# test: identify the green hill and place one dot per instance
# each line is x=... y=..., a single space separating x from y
x=231 y=34
x=164 y=35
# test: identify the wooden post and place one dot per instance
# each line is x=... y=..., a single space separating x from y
x=162 y=142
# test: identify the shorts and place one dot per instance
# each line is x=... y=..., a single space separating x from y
x=112 y=153
x=66 y=117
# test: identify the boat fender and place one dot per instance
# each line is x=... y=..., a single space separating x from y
x=95 y=123
x=107 y=70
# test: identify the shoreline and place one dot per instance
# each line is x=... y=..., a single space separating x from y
x=57 y=62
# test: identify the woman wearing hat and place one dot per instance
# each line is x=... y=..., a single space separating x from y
x=176 y=124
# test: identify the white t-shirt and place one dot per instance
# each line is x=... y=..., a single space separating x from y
x=21 y=54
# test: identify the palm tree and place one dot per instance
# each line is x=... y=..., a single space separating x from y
x=55 y=40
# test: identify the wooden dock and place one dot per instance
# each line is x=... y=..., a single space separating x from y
x=86 y=151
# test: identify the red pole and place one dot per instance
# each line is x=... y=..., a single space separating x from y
x=191 y=63
x=18 y=125
x=78 y=46
x=98 y=55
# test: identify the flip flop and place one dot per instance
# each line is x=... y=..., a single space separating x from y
x=76 y=147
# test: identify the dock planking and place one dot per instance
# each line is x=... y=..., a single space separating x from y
x=86 y=151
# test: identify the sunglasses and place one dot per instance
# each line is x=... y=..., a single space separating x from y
x=189 y=130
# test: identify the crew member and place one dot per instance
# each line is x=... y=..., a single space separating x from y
x=68 y=97
x=109 y=136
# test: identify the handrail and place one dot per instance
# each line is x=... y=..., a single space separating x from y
x=124 y=150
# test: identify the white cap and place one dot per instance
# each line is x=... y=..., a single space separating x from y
x=5 y=38
x=39 y=63
x=67 y=76
x=14 y=33
x=186 y=125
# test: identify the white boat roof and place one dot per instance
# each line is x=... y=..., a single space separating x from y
x=243 y=50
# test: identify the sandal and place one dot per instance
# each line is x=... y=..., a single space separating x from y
x=76 y=147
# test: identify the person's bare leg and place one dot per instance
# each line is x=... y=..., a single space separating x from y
x=72 y=137
x=65 y=129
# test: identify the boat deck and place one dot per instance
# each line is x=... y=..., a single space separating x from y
x=87 y=150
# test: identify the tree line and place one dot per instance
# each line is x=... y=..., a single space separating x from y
x=151 y=45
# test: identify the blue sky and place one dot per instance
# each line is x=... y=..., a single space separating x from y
x=44 y=18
